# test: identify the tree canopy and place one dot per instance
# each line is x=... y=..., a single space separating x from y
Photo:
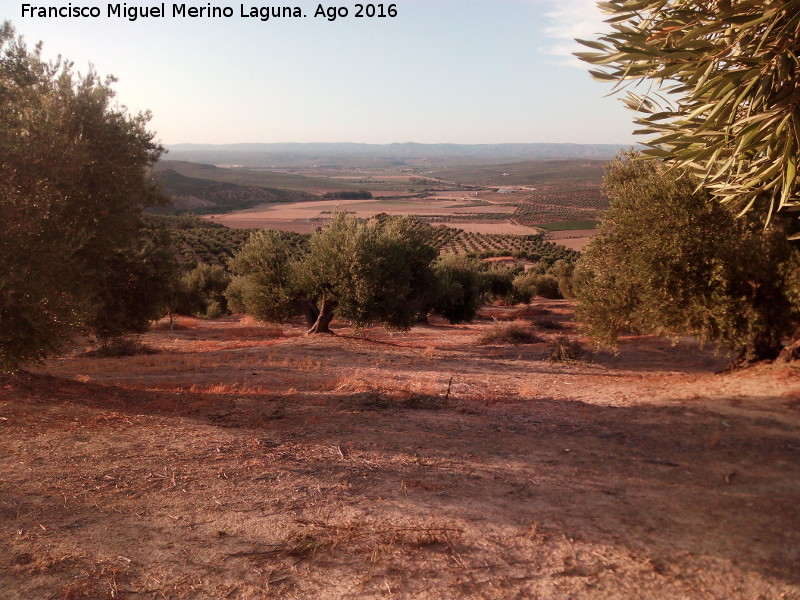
x=365 y=272
x=670 y=261
x=73 y=180
x=722 y=81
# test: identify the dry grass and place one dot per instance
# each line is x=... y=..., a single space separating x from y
x=519 y=312
x=94 y=367
x=301 y=470
x=566 y=350
x=120 y=347
x=244 y=388
x=549 y=324
x=380 y=400
x=518 y=332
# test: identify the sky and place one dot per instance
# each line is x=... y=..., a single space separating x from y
x=440 y=71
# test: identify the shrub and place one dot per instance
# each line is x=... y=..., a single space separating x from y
x=517 y=332
x=566 y=350
x=546 y=286
x=563 y=271
x=458 y=287
x=530 y=284
x=203 y=292
x=498 y=281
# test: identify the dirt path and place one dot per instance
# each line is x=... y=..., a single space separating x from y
x=250 y=462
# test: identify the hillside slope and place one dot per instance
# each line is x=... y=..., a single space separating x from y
x=206 y=195
x=251 y=461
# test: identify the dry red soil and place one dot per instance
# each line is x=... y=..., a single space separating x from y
x=246 y=461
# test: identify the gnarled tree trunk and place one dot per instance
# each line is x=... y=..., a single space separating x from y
x=791 y=352
x=761 y=349
x=324 y=318
x=310 y=312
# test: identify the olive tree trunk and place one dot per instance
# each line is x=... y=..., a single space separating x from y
x=310 y=312
x=324 y=317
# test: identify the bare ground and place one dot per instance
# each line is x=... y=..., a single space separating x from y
x=243 y=461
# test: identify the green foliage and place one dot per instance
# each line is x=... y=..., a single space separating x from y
x=791 y=275
x=459 y=286
x=267 y=284
x=136 y=288
x=73 y=181
x=669 y=261
x=564 y=271
x=198 y=241
x=535 y=283
x=498 y=280
x=546 y=286
x=349 y=195
x=367 y=272
x=201 y=241
x=732 y=71
x=202 y=292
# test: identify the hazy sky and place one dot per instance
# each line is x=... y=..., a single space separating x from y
x=459 y=71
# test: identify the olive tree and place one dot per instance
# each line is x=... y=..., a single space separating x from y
x=722 y=80
x=73 y=181
x=668 y=260
x=364 y=272
x=137 y=285
x=202 y=292
x=458 y=287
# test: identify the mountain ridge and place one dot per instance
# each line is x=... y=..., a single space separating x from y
x=395 y=154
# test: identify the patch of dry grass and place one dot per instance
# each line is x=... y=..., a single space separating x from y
x=522 y=312
x=549 y=324
x=394 y=391
x=244 y=388
x=566 y=350
x=121 y=347
x=517 y=332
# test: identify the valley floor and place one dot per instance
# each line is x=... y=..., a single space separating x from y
x=246 y=461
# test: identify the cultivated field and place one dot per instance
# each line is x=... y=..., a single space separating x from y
x=512 y=198
x=246 y=461
x=303 y=217
x=574 y=239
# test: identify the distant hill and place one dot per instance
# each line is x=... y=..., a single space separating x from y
x=293 y=186
x=381 y=155
x=204 y=195
x=526 y=173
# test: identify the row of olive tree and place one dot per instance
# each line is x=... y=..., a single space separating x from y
x=377 y=271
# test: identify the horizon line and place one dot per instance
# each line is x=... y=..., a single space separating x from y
x=403 y=143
